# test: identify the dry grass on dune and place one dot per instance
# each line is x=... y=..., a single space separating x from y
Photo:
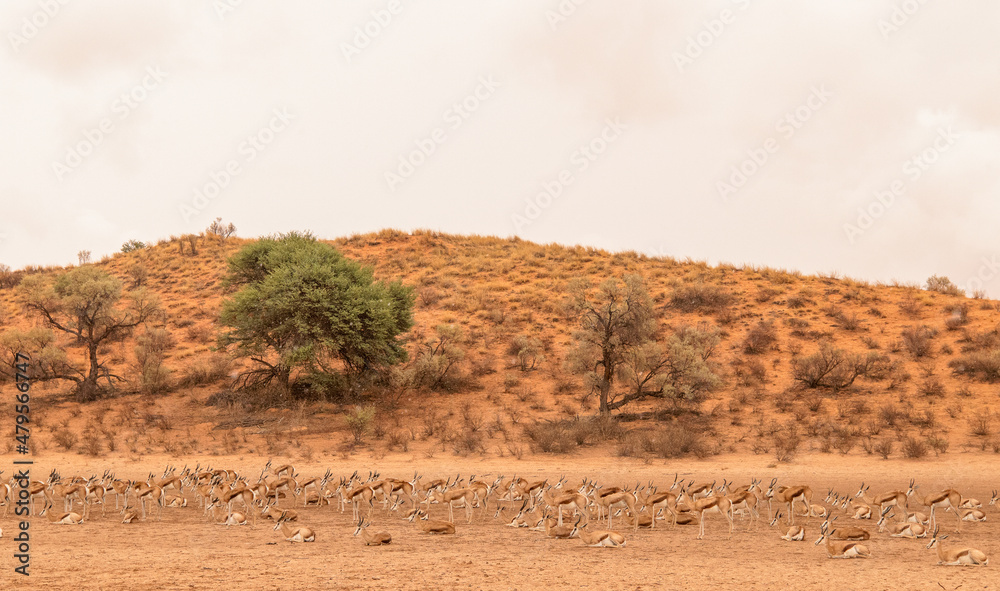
x=926 y=389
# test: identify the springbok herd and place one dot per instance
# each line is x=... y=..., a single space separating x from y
x=557 y=509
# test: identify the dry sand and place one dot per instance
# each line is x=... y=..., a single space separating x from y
x=185 y=551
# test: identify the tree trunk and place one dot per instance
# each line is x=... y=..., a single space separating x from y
x=606 y=384
x=87 y=390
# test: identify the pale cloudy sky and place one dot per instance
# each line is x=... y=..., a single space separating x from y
x=730 y=130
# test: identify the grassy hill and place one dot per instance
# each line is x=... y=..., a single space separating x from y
x=926 y=388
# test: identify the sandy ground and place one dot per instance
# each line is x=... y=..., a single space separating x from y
x=185 y=551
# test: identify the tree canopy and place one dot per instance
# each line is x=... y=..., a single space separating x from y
x=299 y=305
x=616 y=342
x=86 y=302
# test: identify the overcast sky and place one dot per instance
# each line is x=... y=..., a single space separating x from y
x=861 y=136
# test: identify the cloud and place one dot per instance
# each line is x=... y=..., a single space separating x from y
x=88 y=39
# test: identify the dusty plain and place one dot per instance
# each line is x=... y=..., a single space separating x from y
x=186 y=551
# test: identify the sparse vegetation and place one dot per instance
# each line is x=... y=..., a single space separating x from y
x=359 y=421
x=526 y=351
x=489 y=334
x=85 y=302
x=981 y=365
x=918 y=340
x=834 y=369
x=760 y=338
x=943 y=285
x=133 y=245
x=700 y=297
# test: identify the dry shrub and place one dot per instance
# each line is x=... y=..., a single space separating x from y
x=207 y=369
x=766 y=294
x=849 y=321
x=911 y=306
x=786 y=443
x=918 y=340
x=890 y=415
x=799 y=300
x=884 y=448
x=398 y=440
x=428 y=296
x=91 y=443
x=679 y=439
x=468 y=441
x=551 y=437
x=957 y=317
x=980 y=365
x=938 y=444
x=749 y=372
x=980 y=340
x=833 y=368
x=944 y=285
x=932 y=386
x=138 y=274
x=914 y=448
x=632 y=445
x=700 y=297
x=845 y=442
x=760 y=338
x=526 y=352
x=981 y=426
x=65 y=439
x=9 y=279
x=566 y=435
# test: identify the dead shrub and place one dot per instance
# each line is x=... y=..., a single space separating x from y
x=938 y=444
x=884 y=448
x=760 y=338
x=207 y=369
x=786 y=443
x=700 y=297
x=932 y=386
x=981 y=426
x=468 y=441
x=679 y=439
x=91 y=444
x=918 y=340
x=65 y=439
x=749 y=372
x=981 y=365
x=848 y=321
x=551 y=437
x=914 y=448
x=958 y=317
